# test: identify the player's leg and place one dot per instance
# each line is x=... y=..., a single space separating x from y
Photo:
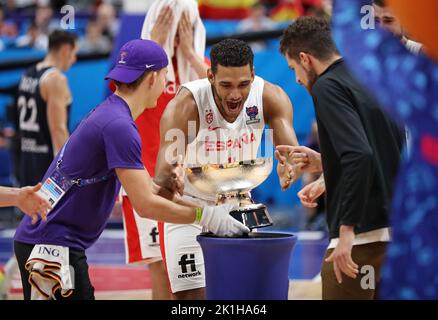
x=184 y=261
x=142 y=246
x=160 y=282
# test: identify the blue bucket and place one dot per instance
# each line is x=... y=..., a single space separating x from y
x=254 y=267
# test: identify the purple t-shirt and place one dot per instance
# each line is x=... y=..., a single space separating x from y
x=107 y=139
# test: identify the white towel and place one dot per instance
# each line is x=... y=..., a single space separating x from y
x=185 y=72
x=49 y=270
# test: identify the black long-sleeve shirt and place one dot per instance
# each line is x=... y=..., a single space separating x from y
x=360 y=149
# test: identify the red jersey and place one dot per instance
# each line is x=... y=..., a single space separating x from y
x=148 y=124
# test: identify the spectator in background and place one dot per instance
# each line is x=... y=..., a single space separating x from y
x=388 y=21
x=107 y=21
x=7 y=28
x=32 y=39
x=43 y=19
x=39 y=29
x=18 y=5
x=257 y=21
x=93 y=41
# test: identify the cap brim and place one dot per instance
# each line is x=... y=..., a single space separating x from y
x=124 y=75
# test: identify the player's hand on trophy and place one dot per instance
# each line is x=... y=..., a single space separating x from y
x=218 y=220
x=287 y=172
x=163 y=192
x=311 y=192
x=306 y=159
x=177 y=175
x=173 y=178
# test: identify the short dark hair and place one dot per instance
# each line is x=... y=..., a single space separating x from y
x=231 y=53
x=380 y=3
x=310 y=35
x=60 y=37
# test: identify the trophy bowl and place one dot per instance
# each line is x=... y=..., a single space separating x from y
x=232 y=183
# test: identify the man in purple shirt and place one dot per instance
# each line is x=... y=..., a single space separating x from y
x=102 y=154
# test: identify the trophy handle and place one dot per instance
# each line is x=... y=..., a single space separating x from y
x=253 y=216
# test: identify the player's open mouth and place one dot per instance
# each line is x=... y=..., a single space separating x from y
x=233 y=106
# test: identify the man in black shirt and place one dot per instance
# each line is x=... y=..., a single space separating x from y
x=360 y=151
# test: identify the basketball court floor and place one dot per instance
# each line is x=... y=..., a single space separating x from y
x=113 y=279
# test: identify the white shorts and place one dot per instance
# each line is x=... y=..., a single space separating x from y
x=184 y=259
x=142 y=244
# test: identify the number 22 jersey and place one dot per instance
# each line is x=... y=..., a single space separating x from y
x=36 y=143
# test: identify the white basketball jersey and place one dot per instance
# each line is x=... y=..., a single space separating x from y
x=219 y=141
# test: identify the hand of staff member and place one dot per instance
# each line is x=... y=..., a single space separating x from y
x=341 y=256
x=311 y=192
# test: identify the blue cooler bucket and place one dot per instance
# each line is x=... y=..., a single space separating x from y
x=254 y=267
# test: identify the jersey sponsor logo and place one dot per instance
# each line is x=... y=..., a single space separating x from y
x=210 y=128
x=50 y=251
x=252 y=113
x=208 y=117
x=171 y=88
x=30 y=145
x=187 y=261
x=154 y=236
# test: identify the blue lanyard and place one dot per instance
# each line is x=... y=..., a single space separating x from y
x=80 y=182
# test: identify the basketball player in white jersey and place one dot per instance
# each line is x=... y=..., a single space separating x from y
x=222 y=119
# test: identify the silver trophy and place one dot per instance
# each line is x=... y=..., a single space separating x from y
x=232 y=183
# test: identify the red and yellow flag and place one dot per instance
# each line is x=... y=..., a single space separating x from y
x=225 y=9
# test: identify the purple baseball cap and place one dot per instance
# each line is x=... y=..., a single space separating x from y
x=136 y=57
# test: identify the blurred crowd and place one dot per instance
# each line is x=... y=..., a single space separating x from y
x=27 y=23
